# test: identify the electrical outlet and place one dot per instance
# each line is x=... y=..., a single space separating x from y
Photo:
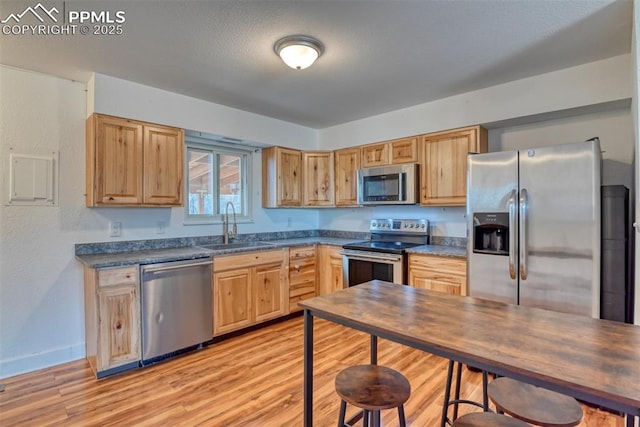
x=161 y=227
x=115 y=228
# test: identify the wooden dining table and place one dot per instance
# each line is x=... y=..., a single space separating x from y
x=596 y=361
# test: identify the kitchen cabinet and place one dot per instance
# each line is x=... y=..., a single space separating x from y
x=330 y=270
x=281 y=177
x=347 y=163
x=112 y=318
x=443 y=163
x=248 y=288
x=133 y=163
x=318 y=178
x=302 y=275
x=402 y=150
x=438 y=273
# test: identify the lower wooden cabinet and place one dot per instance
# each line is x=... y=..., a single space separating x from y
x=438 y=273
x=330 y=277
x=112 y=318
x=302 y=275
x=248 y=289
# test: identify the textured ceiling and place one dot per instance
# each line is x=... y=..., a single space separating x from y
x=379 y=55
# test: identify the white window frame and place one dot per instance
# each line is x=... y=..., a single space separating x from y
x=216 y=148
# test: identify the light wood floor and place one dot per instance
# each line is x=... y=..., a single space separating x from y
x=251 y=380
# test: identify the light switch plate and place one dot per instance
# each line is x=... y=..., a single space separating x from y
x=115 y=228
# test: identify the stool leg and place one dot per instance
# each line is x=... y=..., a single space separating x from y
x=447 y=392
x=403 y=422
x=375 y=418
x=365 y=418
x=343 y=413
x=485 y=398
x=457 y=395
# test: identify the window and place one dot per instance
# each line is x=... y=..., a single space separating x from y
x=216 y=175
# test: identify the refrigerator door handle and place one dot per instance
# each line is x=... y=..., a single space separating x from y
x=523 y=233
x=511 y=205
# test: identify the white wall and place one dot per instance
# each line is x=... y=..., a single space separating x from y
x=595 y=83
x=41 y=288
x=41 y=296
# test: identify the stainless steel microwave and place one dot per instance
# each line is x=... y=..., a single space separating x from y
x=388 y=185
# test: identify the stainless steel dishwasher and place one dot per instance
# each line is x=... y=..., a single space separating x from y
x=177 y=309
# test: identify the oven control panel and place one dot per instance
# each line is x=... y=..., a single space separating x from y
x=414 y=226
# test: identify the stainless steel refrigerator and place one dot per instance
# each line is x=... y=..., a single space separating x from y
x=534 y=227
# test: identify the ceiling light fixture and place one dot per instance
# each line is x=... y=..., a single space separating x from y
x=298 y=51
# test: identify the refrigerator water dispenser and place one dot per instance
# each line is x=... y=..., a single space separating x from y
x=491 y=233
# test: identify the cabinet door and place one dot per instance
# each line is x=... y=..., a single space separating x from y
x=329 y=269
x=118 y=326
x=268 y=292
x=404 y=150
x=231 y=298
x=163 y=165
x=425 y=279
x=117 y=177
x=335 y=269
x=375 y=155
x=289 y=178
x=438 y=273
x=347 y=163
x=317 y=177
x=444 y=165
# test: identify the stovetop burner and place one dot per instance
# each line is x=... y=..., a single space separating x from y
x=376 y=246
x=394 y=235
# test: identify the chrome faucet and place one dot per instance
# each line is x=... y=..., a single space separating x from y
x=226 y=234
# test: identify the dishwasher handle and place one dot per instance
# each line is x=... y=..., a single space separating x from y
x=152 y=268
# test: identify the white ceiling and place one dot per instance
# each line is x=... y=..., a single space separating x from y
x=379 y=55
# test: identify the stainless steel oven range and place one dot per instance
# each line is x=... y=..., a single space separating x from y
x=384 y=257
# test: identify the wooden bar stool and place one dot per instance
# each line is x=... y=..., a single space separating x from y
x=535 y=405
x=487 y=419
x=372 y=388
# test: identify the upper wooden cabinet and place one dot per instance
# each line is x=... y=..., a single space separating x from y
x=317 y=178
x=347 y=163
x=281 y=177
x=443 y=161
x=403 y=150
x=132 y=163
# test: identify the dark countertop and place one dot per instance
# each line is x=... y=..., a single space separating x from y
x=449 y=251
x=152 y=256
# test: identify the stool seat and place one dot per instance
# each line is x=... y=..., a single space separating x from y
x=534 y=405
x=487 y=419
x=372 y=387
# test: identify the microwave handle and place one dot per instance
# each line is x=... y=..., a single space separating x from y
x=403 y=188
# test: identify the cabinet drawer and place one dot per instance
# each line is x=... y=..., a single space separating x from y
x=302 y=252
x=302 y=288
x=438 y=263
x=229 y=262
x=118 y=276
x=302 y=271
x=293 y=301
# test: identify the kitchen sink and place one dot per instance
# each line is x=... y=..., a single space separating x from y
x=235 y=245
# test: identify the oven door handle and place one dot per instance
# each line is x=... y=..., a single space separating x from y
x=366 y=257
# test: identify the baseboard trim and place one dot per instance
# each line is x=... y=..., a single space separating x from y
x=34 y=362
